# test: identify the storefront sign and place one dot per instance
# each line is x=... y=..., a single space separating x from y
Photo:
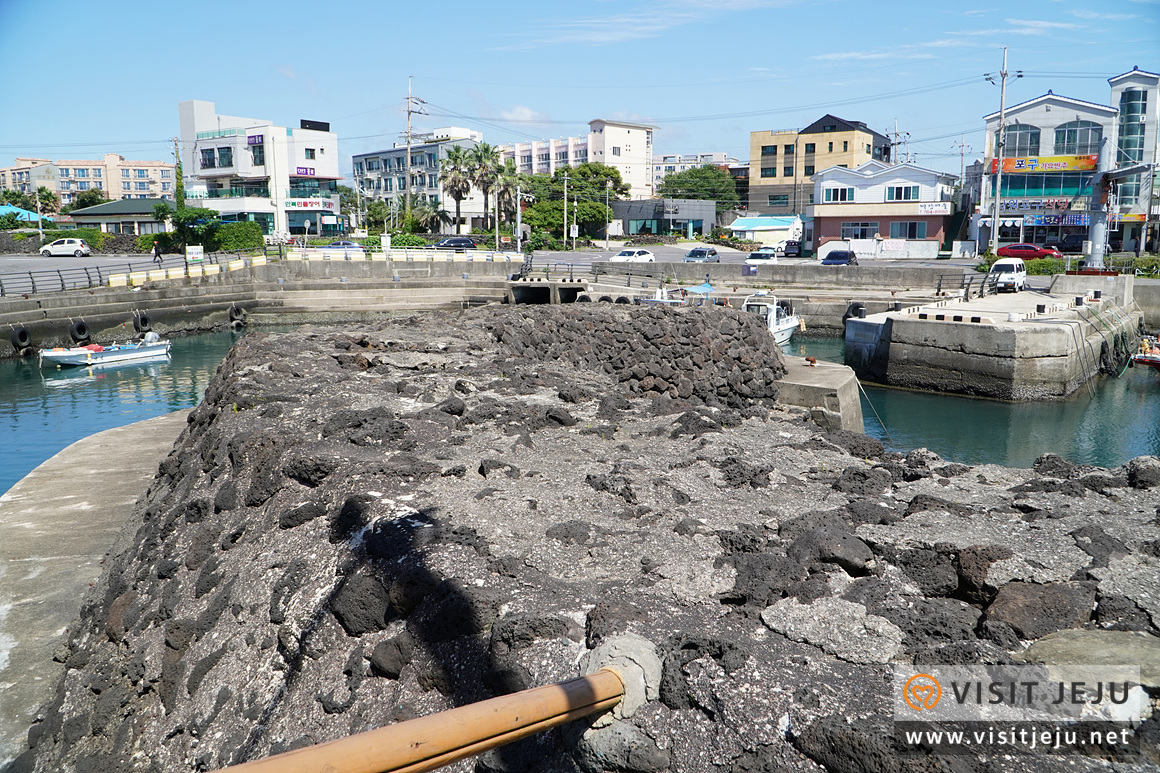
x=1046 y=164
x=1043 y=220
x=194 y=253
x=934 y=208
x=309 y=204
x=1129 y=218
x=305 y=171
x=255 y=139
x=1011 y=205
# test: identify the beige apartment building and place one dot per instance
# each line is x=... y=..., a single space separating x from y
x=113 y=175
x=781 y=162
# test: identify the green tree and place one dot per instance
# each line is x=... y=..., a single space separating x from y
x=90 y=198
x=192 y=225
x=18 y=199
x=455 y=174
x=485 y=166
x=178 y=186
x=590 y=216
x=377 y=212
x=348 y=202
x=11 y=221
x=428 y=216
x=49 y=201
x=505 y=189
x=587 y=181
x=705 y=183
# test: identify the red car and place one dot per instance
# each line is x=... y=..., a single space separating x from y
x=1028 y=252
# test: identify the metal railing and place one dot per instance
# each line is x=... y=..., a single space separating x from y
x=86 y=277
x=433 y=741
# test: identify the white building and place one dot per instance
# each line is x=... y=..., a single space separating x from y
x=625 y=146
x=284 y=179
x=382 y=174
x=662 y=166
x=115 y=177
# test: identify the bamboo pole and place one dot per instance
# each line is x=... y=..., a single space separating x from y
x=433 y=741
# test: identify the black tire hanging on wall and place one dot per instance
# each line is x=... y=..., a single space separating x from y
x=235 y=313
x=583 y=299
x=141 y=323
x=237 y=325
x=20 y=338
x=622 y=299
x=79 y=332
x=852 y=310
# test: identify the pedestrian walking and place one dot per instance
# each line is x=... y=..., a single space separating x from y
x=156 y=252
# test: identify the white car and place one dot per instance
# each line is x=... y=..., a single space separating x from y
x=763 y=257
x=633 y=255
x=77 y=247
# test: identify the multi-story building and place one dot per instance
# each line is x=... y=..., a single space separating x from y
x=625 y=146
x=1050 y=150
x=883 y=210
x=662 y=166
x=782 y=162
x=382 y=174
x=115 y=177
x=249 y=169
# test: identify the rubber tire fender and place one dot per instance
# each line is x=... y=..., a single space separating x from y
x=141 y=323
x=20 y=338
x=235 y=313
x=79 y=332
x=852 y=310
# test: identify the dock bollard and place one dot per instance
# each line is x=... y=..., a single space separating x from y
x=1079 y=300
x=862 y=313
x=1097 y=294
x=898 y=305
x=1041 y=308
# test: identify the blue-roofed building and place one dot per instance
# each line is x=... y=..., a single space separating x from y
x=22 y=214
x=768 y=229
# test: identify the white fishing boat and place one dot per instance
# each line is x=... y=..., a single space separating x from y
x=779 y=316
x=96 y=355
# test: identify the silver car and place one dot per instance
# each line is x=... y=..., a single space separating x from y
x=77 y=247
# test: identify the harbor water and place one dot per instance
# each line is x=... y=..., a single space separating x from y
x=42 y=411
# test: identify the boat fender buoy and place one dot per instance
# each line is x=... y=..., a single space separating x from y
x=20 y=338
x=79 y=332
x=852 y=310
x=235 y=313
x=141 y=323
x=237 y=325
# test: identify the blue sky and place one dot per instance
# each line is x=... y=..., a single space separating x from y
x=84 y=78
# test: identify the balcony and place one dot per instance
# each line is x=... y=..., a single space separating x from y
x=310 y=193
x=248 y=191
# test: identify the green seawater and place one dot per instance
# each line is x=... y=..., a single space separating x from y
x=1117 y=420
x=42 y=411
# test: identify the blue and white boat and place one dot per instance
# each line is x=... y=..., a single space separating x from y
x=153 y=348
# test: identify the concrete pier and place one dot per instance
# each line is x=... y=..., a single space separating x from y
x=1022 y=346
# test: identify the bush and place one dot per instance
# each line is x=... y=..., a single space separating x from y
x=399 y=239
x=95 y=237
x=239 y=236
x=167 y=240
x=541 y=240
x=737 y=244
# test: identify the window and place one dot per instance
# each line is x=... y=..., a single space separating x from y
x=97 y=184
x=769 y=150
x=845 y=146
x=1019 y=140
x=225 y=157
x=526 y=159
x=787 y=171
x=207 y=161
x=902 y=193
x=65 y=185
x=1133 y=113
x=80 y=173
x=310 y=154
x=142 y=185
x=125 y=172
x=616 y=150
x=126 y=186
x=97 y=173
x=142 y=174
x=769 y=171
x=82 y=186
x=63 y=172
x=809 y=170
x=830 y=149
x=780 y=200
x=809 y=147
x=834 y=195
x=789 y=150
x=258 y=155
x=908 y=230
x=165 y=186
x=859 y=230
x=165 y=174
x=830 y=128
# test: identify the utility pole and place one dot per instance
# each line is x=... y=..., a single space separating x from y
x=410 y=109
x=1000 y=145
x=607 y=215
x=519 y=219
x=963 y=148
x=575 y=206
x=39 y=218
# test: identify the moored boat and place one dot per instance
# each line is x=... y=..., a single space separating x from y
x=779 y=316
x=1149 y=354
x=96 y=355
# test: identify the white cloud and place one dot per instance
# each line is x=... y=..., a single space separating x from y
x=522 y=114
x=1038 y=24
x=1082 y=14
x=287 y=72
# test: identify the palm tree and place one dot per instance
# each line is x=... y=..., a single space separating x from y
x=455 y=175
x=505 y=189
x=484 y=170
x=428 y=215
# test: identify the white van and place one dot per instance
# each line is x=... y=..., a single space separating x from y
x=1009 y=274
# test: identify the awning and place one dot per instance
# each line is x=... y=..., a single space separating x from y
x=1004 y=222
x=701 y=289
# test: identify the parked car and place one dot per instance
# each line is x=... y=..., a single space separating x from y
x=789 y=248
x=1071 y=243
x=702 y=255
x=763 y=257
x=1028 y=252
x=1009 y=274
x=633 y=255
x=344 y=244
x=77 y=247
x=840 y=258
x=455 y=243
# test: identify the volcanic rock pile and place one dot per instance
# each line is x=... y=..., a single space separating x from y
x=361 y=526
